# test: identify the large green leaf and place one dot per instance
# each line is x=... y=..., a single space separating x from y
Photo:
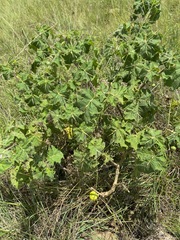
x=148 y=161
x=118 y=134
x=132 y=112
x=96 y=147
x=90 y=103
x=4 y=164
x=54 y=155
x=134 y=140
x=116 y=94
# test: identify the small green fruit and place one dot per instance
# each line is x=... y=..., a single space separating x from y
x=173 y=148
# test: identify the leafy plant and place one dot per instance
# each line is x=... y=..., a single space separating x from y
x=88 y=106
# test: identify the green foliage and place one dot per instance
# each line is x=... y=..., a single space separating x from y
x=87 y=105
x=149 y=10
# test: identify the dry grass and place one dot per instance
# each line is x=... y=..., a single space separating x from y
x=64 y=211
x=169 y=23
x=19 y=19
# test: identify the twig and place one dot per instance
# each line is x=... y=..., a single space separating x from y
x=113 y=188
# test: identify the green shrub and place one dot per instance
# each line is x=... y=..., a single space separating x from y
x=89 y=106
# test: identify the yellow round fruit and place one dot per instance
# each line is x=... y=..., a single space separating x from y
x=93 y=196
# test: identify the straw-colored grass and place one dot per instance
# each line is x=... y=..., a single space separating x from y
x=18 y=19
